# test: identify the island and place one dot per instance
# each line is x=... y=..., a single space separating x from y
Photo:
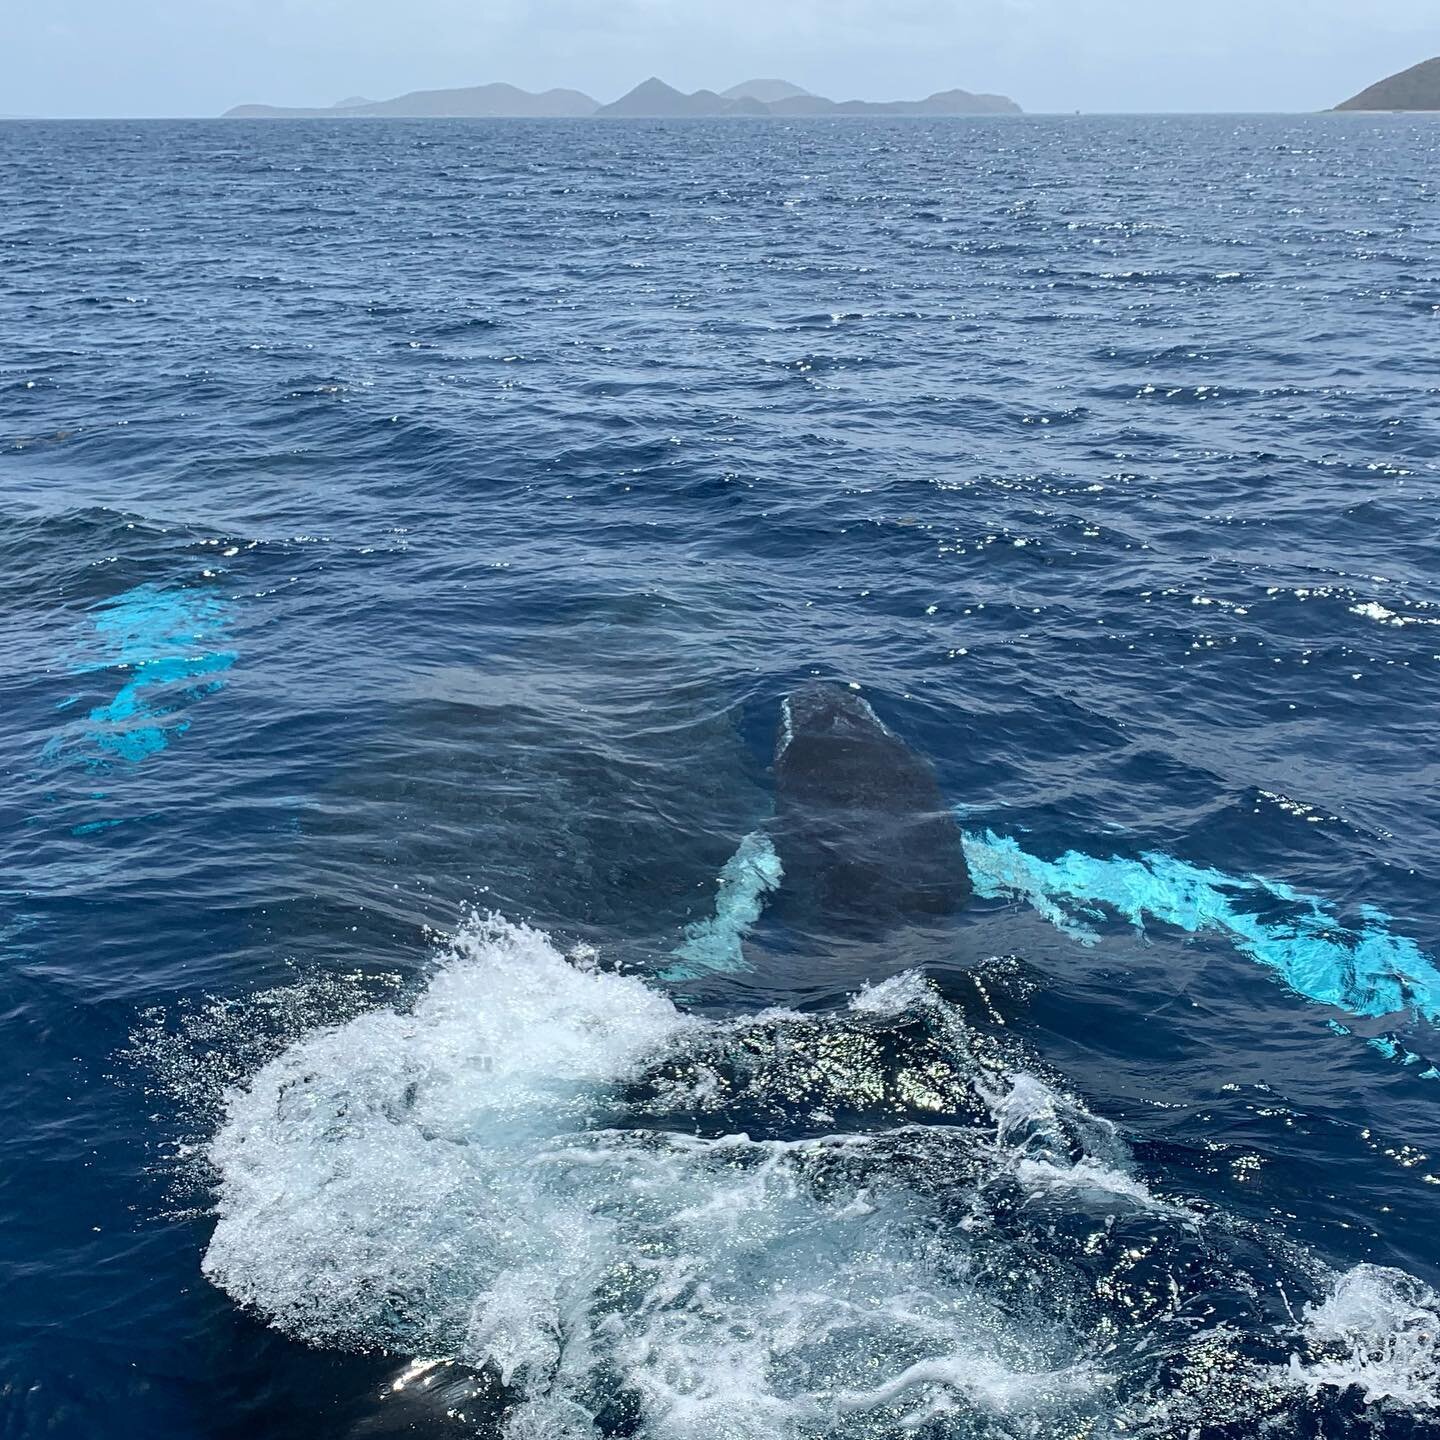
x=655 y=99
x=1417 y=88
x=471 y=102
x=651 y=99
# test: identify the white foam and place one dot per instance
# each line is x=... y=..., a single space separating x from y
x=388 y=1157
x=1054 y=1146
x=1028 y=1103
x=1378 y=1332
x=1084 y=1177
x=1382 y=615
x=907 y=991
x=998 y=1388
x=444 y=1182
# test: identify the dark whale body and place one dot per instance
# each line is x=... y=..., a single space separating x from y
x=861 y=828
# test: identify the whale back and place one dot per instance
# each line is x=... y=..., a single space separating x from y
x=862 y=830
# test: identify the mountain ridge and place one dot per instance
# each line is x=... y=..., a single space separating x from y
x=765 y=91
x=651 y=99
x=471 y=102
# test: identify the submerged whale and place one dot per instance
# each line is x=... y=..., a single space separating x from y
x=590 y=1212
x=861 y=843
x=861 y=829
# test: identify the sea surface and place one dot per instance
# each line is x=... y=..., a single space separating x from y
x=409 y=532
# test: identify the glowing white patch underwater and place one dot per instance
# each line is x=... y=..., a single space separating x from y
x=1369 y=971
x=458 y=1180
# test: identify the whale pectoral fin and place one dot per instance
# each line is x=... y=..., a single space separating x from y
x=716 y=945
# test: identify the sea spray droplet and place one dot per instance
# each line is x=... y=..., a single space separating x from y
x=1368 y=971
x=168 y=650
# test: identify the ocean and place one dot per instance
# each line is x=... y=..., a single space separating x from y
x=412 y=531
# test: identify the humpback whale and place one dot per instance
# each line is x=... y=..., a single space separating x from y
x=862 y=831
x=589 y=1212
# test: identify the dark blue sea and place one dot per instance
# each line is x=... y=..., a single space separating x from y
x=409 y=536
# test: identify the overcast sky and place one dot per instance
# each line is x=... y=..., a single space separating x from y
x=198 y=57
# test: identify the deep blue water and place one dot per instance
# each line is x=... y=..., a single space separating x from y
x=400 y=518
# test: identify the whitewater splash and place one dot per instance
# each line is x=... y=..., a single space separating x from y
x=870 y=1223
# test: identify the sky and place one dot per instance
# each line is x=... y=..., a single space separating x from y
x=199 y=57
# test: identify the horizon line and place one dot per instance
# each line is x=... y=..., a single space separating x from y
x=342 y=117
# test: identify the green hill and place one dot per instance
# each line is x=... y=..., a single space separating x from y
x=1417 y=88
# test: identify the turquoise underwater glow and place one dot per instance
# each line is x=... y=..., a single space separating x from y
x=1366 y=970
x=167 y=648
x=1393 y=1048
x=715 y=945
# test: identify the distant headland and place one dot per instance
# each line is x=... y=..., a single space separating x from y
x=1417 y=88
x=653 y=99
